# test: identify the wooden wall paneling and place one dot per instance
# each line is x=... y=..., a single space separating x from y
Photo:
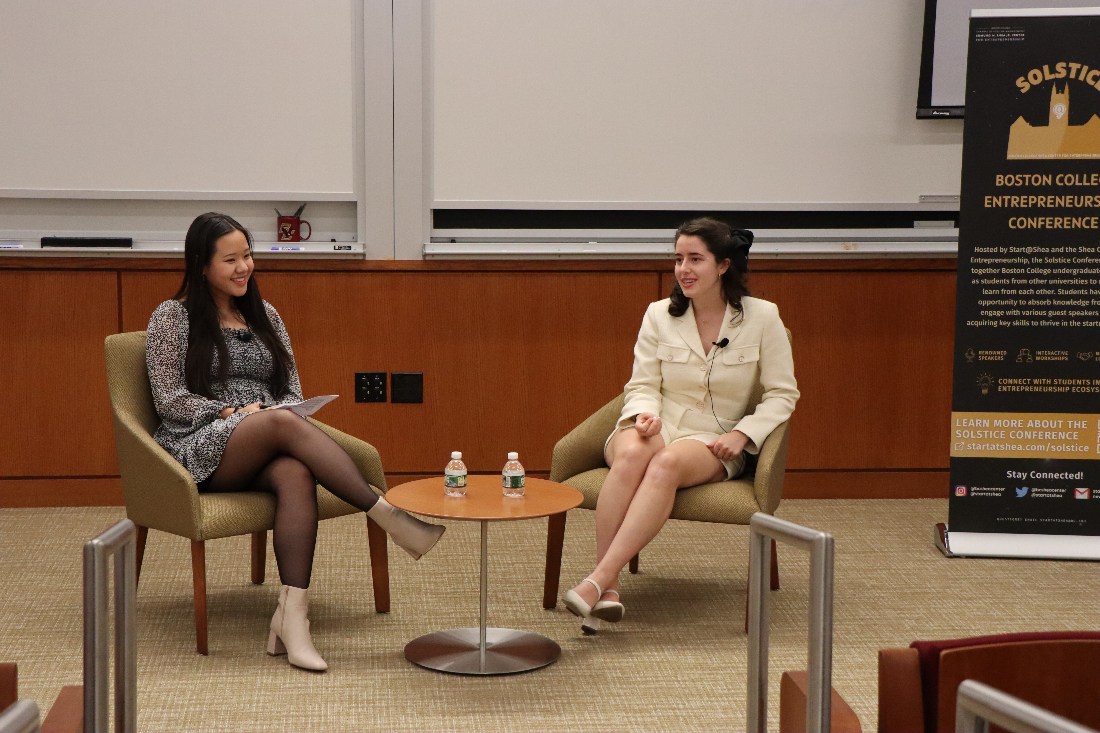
x=57 y=412
x=142 y=292
x=873 y=356
x=511 y=361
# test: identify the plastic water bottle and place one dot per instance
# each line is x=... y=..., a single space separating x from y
x=454 y=476
x=512 y=477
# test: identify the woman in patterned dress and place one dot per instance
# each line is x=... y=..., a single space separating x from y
x=218 y=355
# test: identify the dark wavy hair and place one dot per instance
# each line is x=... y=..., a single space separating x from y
x=725 y=243
x=204 y=336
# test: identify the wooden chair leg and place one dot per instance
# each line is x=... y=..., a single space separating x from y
x=198 y=574
x=775 y=567
x=259 y=557
x=378 y=546
x=634 y=563
x=555 y=540
x=139 y=551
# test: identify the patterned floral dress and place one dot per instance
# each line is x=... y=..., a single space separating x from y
x=190 y=428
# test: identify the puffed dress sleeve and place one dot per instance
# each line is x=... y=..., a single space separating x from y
x=165 y=354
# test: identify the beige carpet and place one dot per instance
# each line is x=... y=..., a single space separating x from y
x=677 y=662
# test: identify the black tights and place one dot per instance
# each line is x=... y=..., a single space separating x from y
x=282 y=453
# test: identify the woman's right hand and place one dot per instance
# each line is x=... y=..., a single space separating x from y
x=647 y=425
x=228 y=411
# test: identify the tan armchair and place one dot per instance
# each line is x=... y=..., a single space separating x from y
x=160 y=493
x=579 y=462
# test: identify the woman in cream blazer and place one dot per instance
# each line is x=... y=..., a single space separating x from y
x=685 y=420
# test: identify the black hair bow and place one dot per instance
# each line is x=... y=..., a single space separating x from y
x=742 y=242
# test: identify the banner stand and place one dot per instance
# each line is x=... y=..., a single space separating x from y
x=1022 y=546
x=1025 y=413
x=942 y=540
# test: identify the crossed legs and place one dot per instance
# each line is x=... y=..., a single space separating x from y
x=279 y=452
x=637 y=497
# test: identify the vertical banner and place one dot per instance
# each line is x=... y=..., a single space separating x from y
x=1025 y=423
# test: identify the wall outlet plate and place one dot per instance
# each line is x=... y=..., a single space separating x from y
x=370 y=386
x=407 y=387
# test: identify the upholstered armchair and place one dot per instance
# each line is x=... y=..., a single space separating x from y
x=1056 y=671
x=160 y=494
x=578 y=461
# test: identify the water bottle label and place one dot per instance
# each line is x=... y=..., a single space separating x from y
x=454 y=481
x=513 y=482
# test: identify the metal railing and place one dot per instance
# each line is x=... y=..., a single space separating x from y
x=20 y=717
x=978 y=705
x=119 y=542
x=762 y=529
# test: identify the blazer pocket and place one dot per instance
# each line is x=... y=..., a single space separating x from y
x=742 y=355
x=672 y=353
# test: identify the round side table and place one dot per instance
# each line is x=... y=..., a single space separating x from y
x=484 y=650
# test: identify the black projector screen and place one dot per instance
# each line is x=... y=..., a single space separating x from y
x=942 y=88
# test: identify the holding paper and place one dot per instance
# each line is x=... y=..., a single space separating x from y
x=305 y=408
x=217 y=344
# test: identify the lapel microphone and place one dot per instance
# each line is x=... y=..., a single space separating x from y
x=246 y=336
x=710 y=365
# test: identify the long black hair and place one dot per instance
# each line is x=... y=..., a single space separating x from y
x=204 y=336
x=725 y=243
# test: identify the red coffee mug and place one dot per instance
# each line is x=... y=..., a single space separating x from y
x=290 y=229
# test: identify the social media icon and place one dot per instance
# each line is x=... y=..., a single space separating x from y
x=1021 y=491
x=960 y=491
x=1081 y=493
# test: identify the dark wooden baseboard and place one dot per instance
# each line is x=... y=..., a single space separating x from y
x=65 y=491
x=866 y=485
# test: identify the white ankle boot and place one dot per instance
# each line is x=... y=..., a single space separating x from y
x=290 y=630
x=411 y=534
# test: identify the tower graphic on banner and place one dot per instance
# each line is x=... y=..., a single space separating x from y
x=1057 y=139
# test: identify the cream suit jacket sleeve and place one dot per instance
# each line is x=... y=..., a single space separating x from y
x=671 y=367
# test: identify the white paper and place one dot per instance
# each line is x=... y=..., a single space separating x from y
x=306 y=407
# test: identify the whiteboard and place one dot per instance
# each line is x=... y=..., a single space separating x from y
x=158 y=99
x=682 y=103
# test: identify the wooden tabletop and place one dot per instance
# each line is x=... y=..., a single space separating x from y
x=484 y=499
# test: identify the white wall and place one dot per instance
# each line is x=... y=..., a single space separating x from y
x=761 y=103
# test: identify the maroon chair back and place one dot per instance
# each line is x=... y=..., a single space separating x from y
x=1056 y=670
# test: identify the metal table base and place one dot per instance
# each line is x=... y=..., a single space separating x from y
x=482 y=650
x=460 y=651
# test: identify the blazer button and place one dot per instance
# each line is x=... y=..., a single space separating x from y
x=699 y=404
x=703 y=368
x=740 y=358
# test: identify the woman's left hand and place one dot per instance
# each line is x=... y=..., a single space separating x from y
x=254 y=407
x=729 y=446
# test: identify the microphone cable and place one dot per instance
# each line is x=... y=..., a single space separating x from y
x=710 y=368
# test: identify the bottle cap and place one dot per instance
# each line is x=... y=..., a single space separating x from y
x=513 y=456
x=456 y=455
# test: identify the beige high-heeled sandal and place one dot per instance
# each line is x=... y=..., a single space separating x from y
x=577 y=605
x=612 y=611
